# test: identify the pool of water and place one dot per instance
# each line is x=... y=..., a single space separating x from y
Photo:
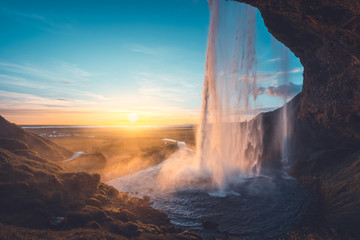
x=265 y=206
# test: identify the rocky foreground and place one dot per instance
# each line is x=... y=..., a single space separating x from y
x=41 y=200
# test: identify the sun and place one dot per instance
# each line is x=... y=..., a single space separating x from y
x=132 y=117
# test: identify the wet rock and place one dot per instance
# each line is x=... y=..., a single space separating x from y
x=209 y=224
x=188 y=235
x=93 y=202
x=57 y=223
x=94 y=225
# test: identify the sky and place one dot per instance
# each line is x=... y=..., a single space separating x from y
x=116 y=62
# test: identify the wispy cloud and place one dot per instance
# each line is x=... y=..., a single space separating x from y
x=284 y=90
x=266 y=78
x=166 y=87
x=187 y=82
x=167 y=94
x=25 y=100
x=32 y=85
x=66 y=83
x=20 y=82
x=149 y=50
x=92 y=95
x=65 y=73
x=273 y=60
x=38 y=21
x=297 y=70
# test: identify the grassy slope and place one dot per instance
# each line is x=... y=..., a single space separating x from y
x=38 y=145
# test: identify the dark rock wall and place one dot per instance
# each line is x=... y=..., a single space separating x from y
x=325 y=35
x=325 y=116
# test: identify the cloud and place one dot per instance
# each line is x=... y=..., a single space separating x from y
x=296 y=70
x=167 y=94
x=284 y=90
x=263 y=77
x=93 y=95
x=10 y=99
x=6 y=79
x=153 y=51
x=64 y=74
x=273 y=60
x=166 y=87
x=38 y=21
x=66 y=83
x=259 y=91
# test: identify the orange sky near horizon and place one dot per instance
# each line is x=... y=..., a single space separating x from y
x=99 y=118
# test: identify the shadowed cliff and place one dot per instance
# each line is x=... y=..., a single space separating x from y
x=324 y=151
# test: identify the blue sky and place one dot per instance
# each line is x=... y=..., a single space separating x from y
x=99 y=62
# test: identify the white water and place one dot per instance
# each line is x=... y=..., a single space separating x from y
x=76 y=155
x=227 y=149
x=284 y=121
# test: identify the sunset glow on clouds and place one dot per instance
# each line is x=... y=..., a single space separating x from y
x=106 y=61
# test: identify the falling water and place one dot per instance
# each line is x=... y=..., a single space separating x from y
x=284 y=121
x=226 y=147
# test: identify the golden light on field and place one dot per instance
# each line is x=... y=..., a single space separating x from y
x=132 y=117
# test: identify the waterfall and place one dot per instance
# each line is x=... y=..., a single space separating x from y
x=284 y=123
x=225 y=146
x=230 y=142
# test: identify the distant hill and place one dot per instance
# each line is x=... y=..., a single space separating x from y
x=12 y=133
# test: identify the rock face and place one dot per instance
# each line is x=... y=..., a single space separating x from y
x=325 y=35
x=325 y=116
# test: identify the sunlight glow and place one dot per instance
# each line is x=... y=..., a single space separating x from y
x=132 y=117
